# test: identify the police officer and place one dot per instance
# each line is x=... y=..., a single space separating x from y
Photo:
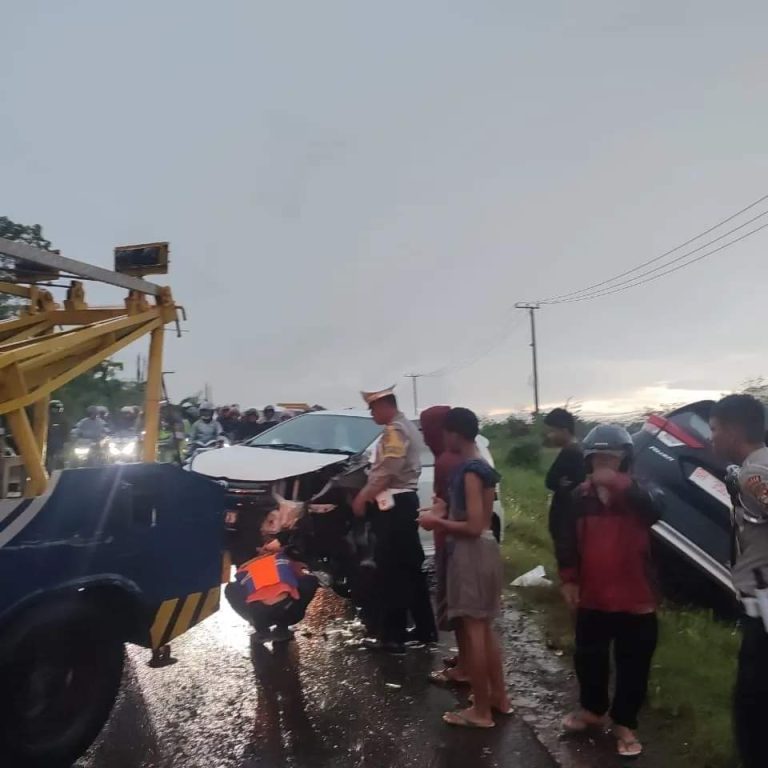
x=390 y=496
x=738 y=435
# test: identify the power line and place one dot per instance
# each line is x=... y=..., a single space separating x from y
x=638 y=282
x=667 y=264
x=466 y=362
x=557 y=299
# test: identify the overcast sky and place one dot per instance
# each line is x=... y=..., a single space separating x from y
x=356 y=190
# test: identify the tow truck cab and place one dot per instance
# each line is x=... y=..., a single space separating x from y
x=96 y=557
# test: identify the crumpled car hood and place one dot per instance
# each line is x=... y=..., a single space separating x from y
x=260 y=464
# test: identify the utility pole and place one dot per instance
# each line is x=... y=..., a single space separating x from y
x=532 y=313
x=414 y=377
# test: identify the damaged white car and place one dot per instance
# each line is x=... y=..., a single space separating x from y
x=314 y=464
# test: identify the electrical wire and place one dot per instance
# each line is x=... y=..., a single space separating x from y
x=563 y=296
x=466 y=362
x=638 y=282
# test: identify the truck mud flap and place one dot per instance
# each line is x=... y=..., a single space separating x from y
x=174 y=617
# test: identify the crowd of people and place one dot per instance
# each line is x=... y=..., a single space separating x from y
x=180 y=426
x=600 y=521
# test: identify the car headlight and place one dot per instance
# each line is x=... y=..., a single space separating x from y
x=114 y=449
x=129 y=449
x=81 y=453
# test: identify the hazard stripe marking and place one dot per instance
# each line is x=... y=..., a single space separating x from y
x=163 y=617
x=176 y=616
x=185 y=617
x=211 y=604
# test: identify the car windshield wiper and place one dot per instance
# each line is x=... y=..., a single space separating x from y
x=339 y=451
x=285 y=447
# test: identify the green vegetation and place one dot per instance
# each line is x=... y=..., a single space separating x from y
x=694 y=667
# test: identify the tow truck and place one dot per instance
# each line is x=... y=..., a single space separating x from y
x=96 y=557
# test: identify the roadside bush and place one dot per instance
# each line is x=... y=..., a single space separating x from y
x=517 y=427
x=525 y=453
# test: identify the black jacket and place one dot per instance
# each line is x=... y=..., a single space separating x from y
x=568 y=472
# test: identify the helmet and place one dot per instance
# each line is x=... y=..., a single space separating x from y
x=128 y=410
x=206 y=407
x=92 y=410
x=269 y=409
x=103 y=411
x=610 y=438
x=251 y=412
x=56 y=406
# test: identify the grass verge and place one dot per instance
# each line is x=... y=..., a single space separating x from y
x=689 y=704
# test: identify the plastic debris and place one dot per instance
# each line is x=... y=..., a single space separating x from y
x=536 y=577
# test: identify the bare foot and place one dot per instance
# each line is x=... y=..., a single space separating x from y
x=499 y=704
x=627 y=744
x=582 y=720
x=469 y=718
x=502 y=705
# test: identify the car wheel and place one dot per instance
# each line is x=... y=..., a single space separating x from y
x=60 y=671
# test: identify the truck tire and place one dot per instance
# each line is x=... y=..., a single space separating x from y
x=60 y=671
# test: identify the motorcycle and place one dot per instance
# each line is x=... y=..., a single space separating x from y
x=197 y=447
x=123 y=449
x=87 y=453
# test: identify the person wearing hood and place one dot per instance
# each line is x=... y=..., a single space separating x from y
x=446 y=463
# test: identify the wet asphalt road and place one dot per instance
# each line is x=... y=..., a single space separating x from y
x=317 y=702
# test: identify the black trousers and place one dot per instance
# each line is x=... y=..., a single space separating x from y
x=634 y=638
x=400 y=584
x=286 y=613
x=751 y=695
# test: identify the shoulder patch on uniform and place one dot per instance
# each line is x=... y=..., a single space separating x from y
x=758 y=487
x=392 y=443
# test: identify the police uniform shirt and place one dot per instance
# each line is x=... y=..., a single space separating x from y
x=398 y=456
x=751 y=519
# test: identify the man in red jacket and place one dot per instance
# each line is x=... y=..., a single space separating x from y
x=603 y=552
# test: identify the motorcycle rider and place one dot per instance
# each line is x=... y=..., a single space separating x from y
x=738 y=435
x=126 y=421
x=206 y=428
x=228 y=418
x=249 y=427
x=92 y=427
x=270 y=418
x=58 y=434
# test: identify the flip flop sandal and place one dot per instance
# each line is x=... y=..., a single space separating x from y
x=443 y=677
x=458 y=720
x=629 y=748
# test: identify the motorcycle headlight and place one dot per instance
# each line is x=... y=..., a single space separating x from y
x=129 y=449
x=81 y=453
x=114 y=449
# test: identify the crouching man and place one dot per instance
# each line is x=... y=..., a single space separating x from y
x=273 y=590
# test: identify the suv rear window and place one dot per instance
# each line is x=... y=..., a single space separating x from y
x=694 y=424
